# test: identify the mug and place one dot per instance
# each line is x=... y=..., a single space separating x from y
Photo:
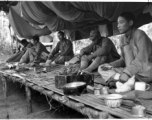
x=141 y=86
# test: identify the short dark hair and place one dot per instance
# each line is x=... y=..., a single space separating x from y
x=61 y=32
x=24 y=42
x=35 y=38
x=129 y=16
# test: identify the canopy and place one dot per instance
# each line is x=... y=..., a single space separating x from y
x=78 y=17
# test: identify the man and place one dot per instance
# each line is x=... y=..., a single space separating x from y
x=62 y=52
x=101 y=50
x=136 y=59
x=17 y=56
x=35 y=54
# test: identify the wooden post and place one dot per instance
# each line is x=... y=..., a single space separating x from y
x=28 y=98
x=4 y=86
x=103 y=115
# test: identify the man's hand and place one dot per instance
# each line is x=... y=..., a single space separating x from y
x=124 y=77
x=49 y=56
x=90 y=57
x=53 y=63
x=32 y=64
x=48 y=62
x=106 y=67
x=79 y=56
x=81 y=52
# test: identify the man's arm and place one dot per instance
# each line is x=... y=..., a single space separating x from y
x=104 y=49
x=68 y=49
x=55 y=50
x=141 y=58
x=87 y=50
x=118 y=63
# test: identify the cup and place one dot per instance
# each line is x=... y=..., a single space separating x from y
x=105 y=90
x=141 y=86
x=138 y=110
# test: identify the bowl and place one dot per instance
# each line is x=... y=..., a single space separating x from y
x=74 y=88
x=113 y=100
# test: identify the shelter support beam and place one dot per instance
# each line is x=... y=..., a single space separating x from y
x=4 y=82
x=28 y=98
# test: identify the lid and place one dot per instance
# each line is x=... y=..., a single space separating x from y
x=97 y=88
x=113 y=96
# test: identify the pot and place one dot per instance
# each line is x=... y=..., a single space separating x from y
x=74 y=88
x=61 y=80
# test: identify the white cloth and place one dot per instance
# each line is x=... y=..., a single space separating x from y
x=106 y=74
x=127 y=86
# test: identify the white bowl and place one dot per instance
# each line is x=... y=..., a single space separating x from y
x=113 y=100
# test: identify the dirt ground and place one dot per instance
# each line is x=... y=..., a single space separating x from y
x=15 y=105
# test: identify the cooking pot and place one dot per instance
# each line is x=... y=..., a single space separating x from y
x=74 y=88
x=61 y=80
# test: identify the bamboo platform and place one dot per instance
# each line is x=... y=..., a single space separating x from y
x=88 y=104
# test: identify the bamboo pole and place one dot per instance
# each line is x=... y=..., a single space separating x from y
x=74 y=104
x=28 y=98
x=80 y=107
x=4 y=86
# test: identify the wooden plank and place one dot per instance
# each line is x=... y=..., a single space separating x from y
x=89 y=100
x=101 y=101
x=101 y=106
x=92 y=102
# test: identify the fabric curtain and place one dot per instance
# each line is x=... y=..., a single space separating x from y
x=22 y=28
x=79 y=17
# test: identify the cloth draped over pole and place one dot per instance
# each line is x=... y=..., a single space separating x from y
x=78 y=17
x=23 y=28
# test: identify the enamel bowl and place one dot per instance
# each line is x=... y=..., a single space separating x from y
x=113 y=100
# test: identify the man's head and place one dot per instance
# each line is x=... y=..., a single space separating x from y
x=24 y=42
x=125 y=21
x=60 y=35
x=94 y=36
x=35 y=39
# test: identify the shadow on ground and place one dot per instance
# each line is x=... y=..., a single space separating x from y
x=15 y=105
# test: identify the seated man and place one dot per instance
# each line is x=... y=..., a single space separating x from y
x=101 y=50
x=35 y=54
x=136 y=57
x=17 y=56
x=62 y=52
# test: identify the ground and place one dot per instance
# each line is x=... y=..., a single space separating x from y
x=15 y=105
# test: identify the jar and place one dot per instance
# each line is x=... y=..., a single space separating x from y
x=97 y=91
x=105 y=90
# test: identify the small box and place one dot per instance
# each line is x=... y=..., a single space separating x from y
x=61 y=80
